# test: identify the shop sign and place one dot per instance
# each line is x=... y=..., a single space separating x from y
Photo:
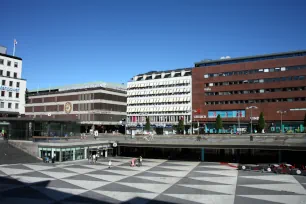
x=6 y=88
x=254 y=118
x=199 y=116
x=9 y=100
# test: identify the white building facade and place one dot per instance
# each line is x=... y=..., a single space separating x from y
x=13 y=87
x=164 y=97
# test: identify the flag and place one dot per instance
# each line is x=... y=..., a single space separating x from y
x=15 y=42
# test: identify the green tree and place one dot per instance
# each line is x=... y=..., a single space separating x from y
x=148 y=125
x=305 y=123
x=261 y=122
x=180 y=126
x=219 y=124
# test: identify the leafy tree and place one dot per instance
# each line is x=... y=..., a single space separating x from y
x=180 y=126
x=219 y=124
x=261 y=122
x=148 y=125
x=305 y=122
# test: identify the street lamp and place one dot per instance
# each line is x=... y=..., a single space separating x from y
x=196 y=111
x=281 y=112
x=251 y=107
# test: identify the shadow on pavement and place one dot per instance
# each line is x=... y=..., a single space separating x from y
x=14 y=191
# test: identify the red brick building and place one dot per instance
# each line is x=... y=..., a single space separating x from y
x=272 y=83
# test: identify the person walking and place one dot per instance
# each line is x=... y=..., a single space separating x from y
x=94 y=158
x=140 y=161
x=109 y=164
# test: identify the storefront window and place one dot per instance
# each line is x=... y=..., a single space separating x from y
x=79 y=153
x=67 y=154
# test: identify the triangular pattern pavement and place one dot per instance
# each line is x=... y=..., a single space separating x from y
x=157 y=181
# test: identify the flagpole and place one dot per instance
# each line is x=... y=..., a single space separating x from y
x=14 y=48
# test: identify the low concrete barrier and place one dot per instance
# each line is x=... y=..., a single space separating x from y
x=28 y=147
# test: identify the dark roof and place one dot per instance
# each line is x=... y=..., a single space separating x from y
x=10 y=56
x=56 y=91
x=250 y=58
x=159 y=72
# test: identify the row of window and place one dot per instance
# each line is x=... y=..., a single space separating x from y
x=10 y=94
x=253 y=59
x=9 y=105
x=255 y=71
x=178 y=74
x=161 y=94
x=8 y=74
x=172 y=118
x=255 y=101
x=254 y=81
x=10 y=83
x=158 y=86
x=225 y=93
x=159 y=112
x=156 y=103
x=8 y=63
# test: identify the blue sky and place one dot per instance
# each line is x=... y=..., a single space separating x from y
x=73 y=41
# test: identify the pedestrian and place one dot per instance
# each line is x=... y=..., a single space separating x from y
x=140 y=160
x=97 y=158
x=109 y=164
x=94 y=158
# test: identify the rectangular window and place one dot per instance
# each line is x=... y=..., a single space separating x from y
x=10 y=94
x=16 y=64
x=8 y=73
x=15 y=74
x=9 y=105
x=17 y=84
x=266 y=70
x=283 y=69
x=16 y=105
x=206 y=76
x=2 y=104
x=1 y=61
x=211 y=84
x=11 y=83
x=2 y=93
x=9 y=63
x=17 y=95
x=1 y=72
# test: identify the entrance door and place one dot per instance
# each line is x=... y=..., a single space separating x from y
x=57 y=156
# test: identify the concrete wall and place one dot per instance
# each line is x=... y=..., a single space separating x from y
x=26 y=146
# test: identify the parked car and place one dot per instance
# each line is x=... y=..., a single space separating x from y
x=267 y=167
x=284 y=169
x=248 y=167
x=298 y=170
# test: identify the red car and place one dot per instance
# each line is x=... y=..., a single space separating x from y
x=283 y=169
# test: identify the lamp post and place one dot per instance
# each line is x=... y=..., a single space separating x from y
x=196 y=111
x=251 y=107
x=281 y=113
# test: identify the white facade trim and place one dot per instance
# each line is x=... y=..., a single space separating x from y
x=76 y=102
x=77 y=93
x=77 y=112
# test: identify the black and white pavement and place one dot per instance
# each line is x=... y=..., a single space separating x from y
x=157 y=181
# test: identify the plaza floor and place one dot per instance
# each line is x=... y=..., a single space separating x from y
x=157 y=181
